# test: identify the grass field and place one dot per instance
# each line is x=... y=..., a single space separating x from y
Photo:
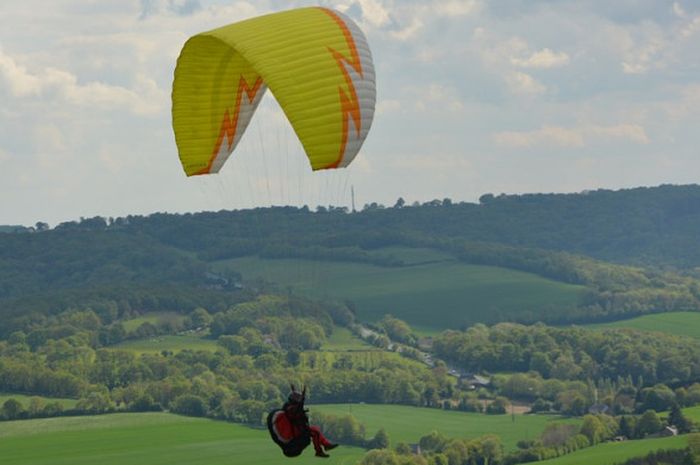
x=416 y=255
x=678 y=323
x=156 y=344
x=153 y=318
x=693 y=413
x=145 y=438
x=342 y=340
x=24 y=399
x=361 y=359
x=431 y=296
x=616 y=452
x=408 y=424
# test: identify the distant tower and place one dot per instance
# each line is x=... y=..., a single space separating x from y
x=352 y=193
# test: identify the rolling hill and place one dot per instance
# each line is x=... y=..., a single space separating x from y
x=136 y=439
x=431 y=296
x=678 y=323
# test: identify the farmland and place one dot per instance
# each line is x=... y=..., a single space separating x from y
x=615 y=452
x=153 y=318
x=135 y=439
x=677 y=323
x=343 y=340
x=430 y=296
x=408 y=424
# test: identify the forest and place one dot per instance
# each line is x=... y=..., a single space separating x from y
x=163 y=261
x=73 y=297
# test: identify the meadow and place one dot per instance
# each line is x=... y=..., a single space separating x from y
x=611 y=453
x=693 y=413
x=145 y=438
x=677 y=323
x=153 y=318
x=173 y=343
x=431 y=295
x=342 y=339
x=370 y=359
x=409 y=424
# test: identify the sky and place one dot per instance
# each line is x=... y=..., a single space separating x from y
x=473 y=97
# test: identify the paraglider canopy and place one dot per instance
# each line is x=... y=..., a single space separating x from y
x=315 y=61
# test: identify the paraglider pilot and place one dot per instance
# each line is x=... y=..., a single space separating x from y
x=290 y=429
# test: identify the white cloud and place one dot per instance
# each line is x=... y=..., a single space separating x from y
x=429 y=54
x=362 y=164
x=145 y=99
x=50 y=138
x=454 y=71
x=50 y=83
x=678 y=10
x=545 y=58
x=454 y=8
x=685 y=104
x=112 y=159
x=388 y=106
x=691 y=28
x=554 y=136
x=437 y=97
x=630 y=132
x=342 y=7
x=546 y=136
x=16 y=77
x=403 y=21
x=374 y=12
x=524 y=84
x=445 y=163
x=178 y=7
x=639 y=59
x=503 y=56
x=409 y=31
x=139 y=46
x=649 y=46
x=495 y=51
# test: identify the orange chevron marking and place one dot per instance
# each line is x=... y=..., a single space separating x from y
x=229 y=125
x=350 y=105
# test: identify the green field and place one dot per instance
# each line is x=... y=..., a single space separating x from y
x=342 y=340
x=408 y=424
x=24 y=399
x=361 y=359
x=678 y=323
x=156 y=344
x=153 y=318
x=432 y=296
x=612 y=453
x=693 y=413
x=415 y=255
x=145 y=438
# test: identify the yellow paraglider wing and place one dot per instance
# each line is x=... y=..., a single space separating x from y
x=315 y=61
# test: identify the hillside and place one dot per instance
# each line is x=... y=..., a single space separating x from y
x=506 y=259
x=430 y=296
x=135 y=439
x=409 y=424
x=613 y=453
x=643 y=226
x=678 y=323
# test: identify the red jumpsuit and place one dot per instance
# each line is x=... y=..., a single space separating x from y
x=298 y=424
